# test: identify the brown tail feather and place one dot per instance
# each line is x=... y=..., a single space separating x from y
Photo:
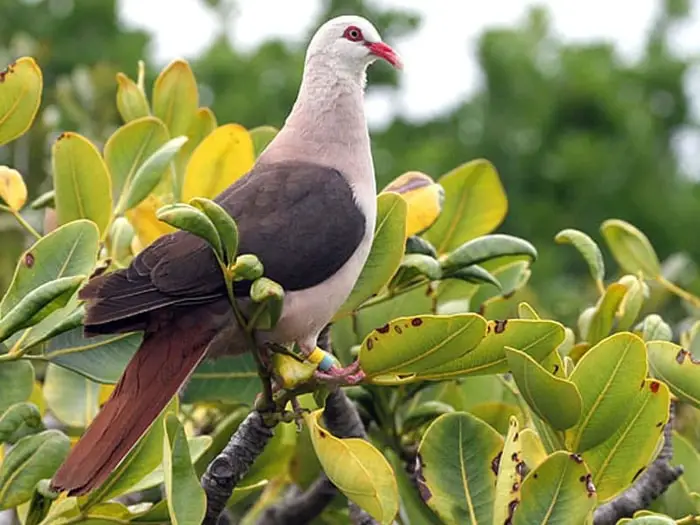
x=166 y=358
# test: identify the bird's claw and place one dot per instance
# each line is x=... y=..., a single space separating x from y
x=349 y=375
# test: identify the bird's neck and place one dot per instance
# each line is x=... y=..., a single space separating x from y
x=327 y=123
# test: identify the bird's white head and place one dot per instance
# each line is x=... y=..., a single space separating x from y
x=350 y=43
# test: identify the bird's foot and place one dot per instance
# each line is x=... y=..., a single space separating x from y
x=349 y=375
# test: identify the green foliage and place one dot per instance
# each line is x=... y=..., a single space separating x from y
x=499 y=412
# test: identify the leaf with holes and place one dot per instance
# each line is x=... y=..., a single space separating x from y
x=456 y=468
x=408 y=345
x=617 y=461
x=557 y=491
x=21 y=85
x=536 y=338
x=676 y=367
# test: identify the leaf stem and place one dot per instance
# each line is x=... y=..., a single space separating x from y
x=600 y=286
x=680 y=292
x=21 y=221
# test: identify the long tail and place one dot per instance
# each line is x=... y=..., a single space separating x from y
x=169 y=353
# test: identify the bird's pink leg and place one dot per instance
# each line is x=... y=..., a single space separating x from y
x=328 y=371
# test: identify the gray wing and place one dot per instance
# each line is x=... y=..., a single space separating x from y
x=300 y=219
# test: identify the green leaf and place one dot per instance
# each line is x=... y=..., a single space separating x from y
x=357 y=469
x=131 y=101
x=425 y=412
x=70 y=250
x=557 y=491
x=121 y=237
x=101 y=358
x=385 y=255
x=412 y=506
x=230 y=379
x=475 y=274
x=275 y=460
x=617 y=461
x=415 y=244
x=21 y=85
x=31 y=459
x=81 y=180
x=631 y=248
x=631 y=305
x=536 y=338
x=587 y=247
x=511 y=469
x=676 y=367
x=407 y=346
x=72 y=398
x=475 y=204
x=45 y=200
x=655 y=519
x=187 y=502
x=262 y=136
x=654 y=328
x=457 y=463
x=481 y=249
x=141 y=460
x=608 y=378
x=268 y=293
x=678 y=500
x=525 y=311
x=191 y=219
x=555 y=400
x=225 y=226
x=247 y=267
x=39 y=304
x=175 y=97
x=18 y=421
x=415 y=264
x=149 y=174
x=129 y=147
x=17 y=380
x=602 y=319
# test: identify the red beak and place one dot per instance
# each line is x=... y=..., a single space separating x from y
x=385 y=52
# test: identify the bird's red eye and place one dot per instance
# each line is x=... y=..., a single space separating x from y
x=353 y=34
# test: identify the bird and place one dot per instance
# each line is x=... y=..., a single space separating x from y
x=306 y=209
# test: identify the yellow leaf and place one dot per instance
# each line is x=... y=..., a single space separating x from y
x=20 y=95
x=224 y=156
x=143 y=219
x=105 y=392
x=12 y=188
x=37 y=397
x=131 y=101
x=175 y=97
x=358 y=469
x=423 y=196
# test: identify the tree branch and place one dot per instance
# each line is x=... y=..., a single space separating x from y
x=343 y=420
x=649 y=486
x=229 y=467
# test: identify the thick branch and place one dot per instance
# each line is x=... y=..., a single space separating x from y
x=229 y=467
x=649 y=486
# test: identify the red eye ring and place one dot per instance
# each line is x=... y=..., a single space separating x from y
x=353 y=33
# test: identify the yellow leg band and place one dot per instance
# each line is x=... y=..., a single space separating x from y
x=316 y=356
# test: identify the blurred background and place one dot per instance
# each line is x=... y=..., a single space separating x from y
x=588 y=110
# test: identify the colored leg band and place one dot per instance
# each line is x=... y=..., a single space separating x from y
x=321 y=358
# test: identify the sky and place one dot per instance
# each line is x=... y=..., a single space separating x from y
x=427 y=85
x=440 y=65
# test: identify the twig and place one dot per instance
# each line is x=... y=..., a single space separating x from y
x=649 y=486
x=21 y=221
x=343 y=420
x=229 y=467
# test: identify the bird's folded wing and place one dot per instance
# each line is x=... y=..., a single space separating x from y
x=300 y=219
